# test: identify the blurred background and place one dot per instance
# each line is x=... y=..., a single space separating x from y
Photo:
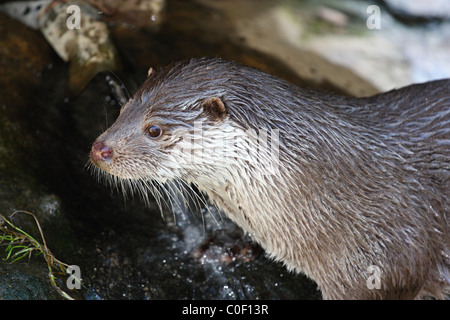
x=66 y=67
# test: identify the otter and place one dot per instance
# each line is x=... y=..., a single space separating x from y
x=352 y=192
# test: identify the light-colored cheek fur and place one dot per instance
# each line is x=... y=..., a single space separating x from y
x=233 y=166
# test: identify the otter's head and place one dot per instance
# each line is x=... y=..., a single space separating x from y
x=173 y=128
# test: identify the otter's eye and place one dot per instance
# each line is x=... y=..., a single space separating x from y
x=154 y=131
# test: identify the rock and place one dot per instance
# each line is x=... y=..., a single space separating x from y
x=332 y=16
x=421 y=8
x=347 y=54
x=26 y=281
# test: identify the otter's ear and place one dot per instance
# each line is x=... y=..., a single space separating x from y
x=214 y=108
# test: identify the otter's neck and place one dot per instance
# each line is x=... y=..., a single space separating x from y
x=331 y=173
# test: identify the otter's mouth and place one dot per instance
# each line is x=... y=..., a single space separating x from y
x=104 y=161
x=157 y=186
x=102 y=157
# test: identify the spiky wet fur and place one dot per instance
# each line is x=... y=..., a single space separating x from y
x=361 y=182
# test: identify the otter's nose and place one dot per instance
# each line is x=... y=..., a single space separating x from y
x=100 y=152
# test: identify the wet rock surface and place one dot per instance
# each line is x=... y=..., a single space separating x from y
x=124 y=249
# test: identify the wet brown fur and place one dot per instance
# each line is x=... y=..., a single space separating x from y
x=362 y=182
